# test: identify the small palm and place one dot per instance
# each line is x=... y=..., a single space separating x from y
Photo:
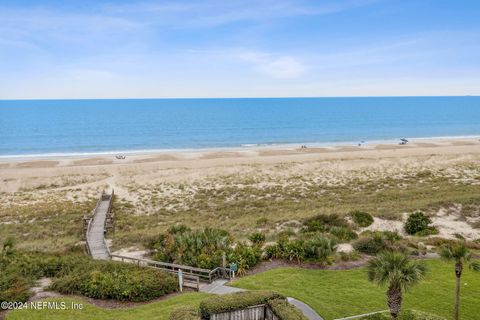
x=459 y=253
x=396 y=271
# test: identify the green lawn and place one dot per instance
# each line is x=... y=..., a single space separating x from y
x=335 y=294
x=332 y=294
x=157 y=310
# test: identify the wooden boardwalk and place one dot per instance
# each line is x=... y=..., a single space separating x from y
x=95 y=229
x=95 y=234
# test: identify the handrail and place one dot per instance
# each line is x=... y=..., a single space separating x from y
x=165 y=264
x=86 y=236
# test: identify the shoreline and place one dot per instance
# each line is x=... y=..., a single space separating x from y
x=250 y=148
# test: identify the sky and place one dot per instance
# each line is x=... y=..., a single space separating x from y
x=60 y=49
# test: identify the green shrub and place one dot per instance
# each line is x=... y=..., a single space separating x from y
x=257 y=238
x=272 y=252
x=235 y=301
x=316 y=247
x=78 y=274
x=362 y=219
x=323 y=223
x=184 y=313
x=427 y=232
x=245 y=257
x=202 y=248
x=14 y=288
x=372 y=243
x=343 y=233
x=320 y=249
x=388 y=235
x=285 y=311
x=417 y=222
x=348 y=256
x=115 y=280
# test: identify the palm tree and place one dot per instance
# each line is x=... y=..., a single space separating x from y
x=398 y=272
x=459 y=253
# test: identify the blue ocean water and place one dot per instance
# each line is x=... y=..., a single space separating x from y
x=32 y=127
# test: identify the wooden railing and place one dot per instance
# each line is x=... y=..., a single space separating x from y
x=191 y=275
x=202 y=274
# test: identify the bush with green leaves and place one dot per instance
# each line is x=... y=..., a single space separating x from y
x=372 y=243
x=362 y=219
x=200 y=248
x=114 y=280
x=419 y=224
x=315 y=247
x=257 y=238
x=343 y=233
x=244 y=256
x=324 y=222
x=78 y=274
x=205 y=248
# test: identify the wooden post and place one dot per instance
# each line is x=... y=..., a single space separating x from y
x=180 y=280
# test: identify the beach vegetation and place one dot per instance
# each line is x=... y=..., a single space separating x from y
x=361 y=218
x=324 y=223
x=78 y=274
x=257 y=238
x=419 y=224
x=315 y=248
x=205 y=248
x=372 y=243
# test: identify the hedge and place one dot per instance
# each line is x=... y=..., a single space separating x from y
x=115 y=280
x=235 y=301
x=184 y=313
x=285 y=311
x=79 y=274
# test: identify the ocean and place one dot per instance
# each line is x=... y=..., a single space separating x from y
x=44 y=127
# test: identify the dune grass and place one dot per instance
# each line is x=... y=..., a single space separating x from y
x=335 y=294
x=158 y=310
x=238 y=209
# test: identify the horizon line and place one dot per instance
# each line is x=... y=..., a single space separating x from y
x=263 y=97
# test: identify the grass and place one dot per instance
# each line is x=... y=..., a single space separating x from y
x=236 y=205
x=334 y=294
x=46 y=226
x=157 y=310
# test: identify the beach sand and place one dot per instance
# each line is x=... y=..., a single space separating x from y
x=82 y=177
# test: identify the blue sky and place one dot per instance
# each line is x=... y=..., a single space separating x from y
x=232 y=48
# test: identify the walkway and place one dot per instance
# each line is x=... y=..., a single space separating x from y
x=305 y=308
x=97 y=246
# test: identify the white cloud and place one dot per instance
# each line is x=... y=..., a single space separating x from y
x=278 y=67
